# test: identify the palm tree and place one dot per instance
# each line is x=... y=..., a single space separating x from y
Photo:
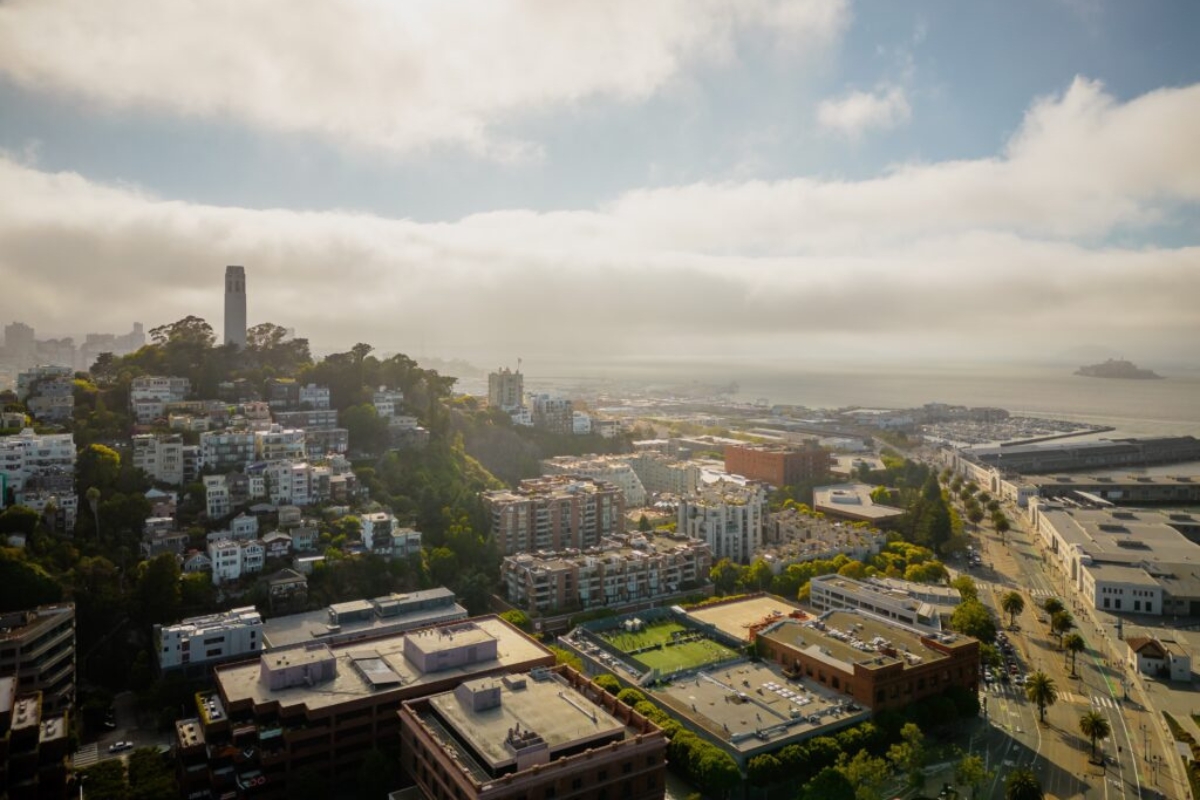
x=1074 y=645
x=1012 y=604
x=1094 y=725
x=1040 y=689
x=1022 y=784
x=1060 y=623
x=1052 y=605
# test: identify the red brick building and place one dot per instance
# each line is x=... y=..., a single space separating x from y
x=879 y=664
x=777 y=465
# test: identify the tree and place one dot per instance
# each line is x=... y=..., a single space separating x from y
x=975 y=514
x=908 y=755
x=93 y=500
x=1012 y=603
x=1003 y=526
x=157 y=596
x=866 y=773
x=829 y=784
x=881 y=496
x=518 y=619
x=724 y=576
x=1052 y=605
x=1041 y=690
x=967 y=589
x=1074 y=644
x=974 y=619
x=98 y=466
x=20 y=520
x=1060 y=623
x=367 y=431
x=608 y=683
x=1022 y=784
x=971 y=771
x=1095 y=726
x=189 y=330
x=443 y=565
x=643 y=524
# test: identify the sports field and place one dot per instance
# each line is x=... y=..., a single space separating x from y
x=664 y=653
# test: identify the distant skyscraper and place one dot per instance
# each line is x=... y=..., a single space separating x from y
x=235 y=306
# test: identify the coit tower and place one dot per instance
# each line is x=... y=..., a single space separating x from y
x=235 y=306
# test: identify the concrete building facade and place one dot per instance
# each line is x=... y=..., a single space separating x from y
x=728 y=516
x=37 y=649
x=554 y=513
x=235 y=306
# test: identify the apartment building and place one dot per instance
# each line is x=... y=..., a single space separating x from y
x=28 y=379
x=663 y=474
x=34 y=745
x=160 y=457
x=613 y=469
x=626 y=568
x=322 y=707
x=40 y=471
x=554 y=513
x=279 y=444
x=37 y=648
x=791 y=537
x=776 y=465
x=198 y=643
x=547 y=733
x=232 y=559
x=52 y=399
x=286 y=394
x=506 y=390
x=228 y=449
x=551 y=413
x=729 y=516
x=387 y=402
x=149 y=395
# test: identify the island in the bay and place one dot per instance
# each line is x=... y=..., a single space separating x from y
x=1117 y=368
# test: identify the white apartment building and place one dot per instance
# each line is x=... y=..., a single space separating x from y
x=279 y=444
x=581 y=423
x=900 y=601
x=614 y=469
x=231 y=560
x=387 y=401
x=209 y=639
x=662 y=474
x=314 y=397
x=289 y=482
x=217 y=497
x=226 y=450
x=28 y=455
x=160 y=457
x=729 y=516
x=226 y=558
x=506 y=389
x=377 y=529
x=150 y=394
x=243 y=526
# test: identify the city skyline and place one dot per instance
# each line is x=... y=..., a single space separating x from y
x=818 y=178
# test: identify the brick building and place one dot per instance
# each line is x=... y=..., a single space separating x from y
x=549 y=734
x=778 y=466
x=881 y=665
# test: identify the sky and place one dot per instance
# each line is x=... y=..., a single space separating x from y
x=772 y=179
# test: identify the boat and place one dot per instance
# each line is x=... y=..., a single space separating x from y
x=1117 y=368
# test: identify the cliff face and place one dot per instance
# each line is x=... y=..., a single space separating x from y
x=1114 y=368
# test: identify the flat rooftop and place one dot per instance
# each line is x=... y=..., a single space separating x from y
x=1125 y=536
x=240 y=682
x=549 y=708
x=852 y=500
x=735 y=618
x=737 y=703
x=314 y=626
x=845 y=638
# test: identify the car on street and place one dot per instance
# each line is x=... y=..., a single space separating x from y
x=120 y=747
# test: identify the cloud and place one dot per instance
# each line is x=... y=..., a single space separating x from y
x=400 y=77
x=1003 y=253
x=859 y=112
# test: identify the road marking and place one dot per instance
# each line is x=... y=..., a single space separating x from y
x=1105 y=702
x=86 y=756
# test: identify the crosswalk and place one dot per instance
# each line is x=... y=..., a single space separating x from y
x=1042 y=594
x=1094 y=701
x=86 y=756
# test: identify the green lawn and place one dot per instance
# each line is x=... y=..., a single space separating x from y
x=684 y=656
x=646 y=637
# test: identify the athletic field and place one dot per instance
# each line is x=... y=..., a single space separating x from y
x=659 y=649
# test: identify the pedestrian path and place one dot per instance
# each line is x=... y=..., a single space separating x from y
x=1095 y=701
x=1042 y=593
x=1105 y=702
x=86 y=756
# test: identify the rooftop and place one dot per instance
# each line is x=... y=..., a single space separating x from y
x=752 y=706
x=852 y=500
x=843 y=639
x=383 y=615
x=1124 y=536
x=621 y=546
x=736 y=618
x=524 y=708
x=240 y=682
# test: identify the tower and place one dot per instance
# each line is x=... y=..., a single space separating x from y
x=235 y=306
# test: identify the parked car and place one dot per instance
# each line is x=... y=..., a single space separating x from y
x=120 y=747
